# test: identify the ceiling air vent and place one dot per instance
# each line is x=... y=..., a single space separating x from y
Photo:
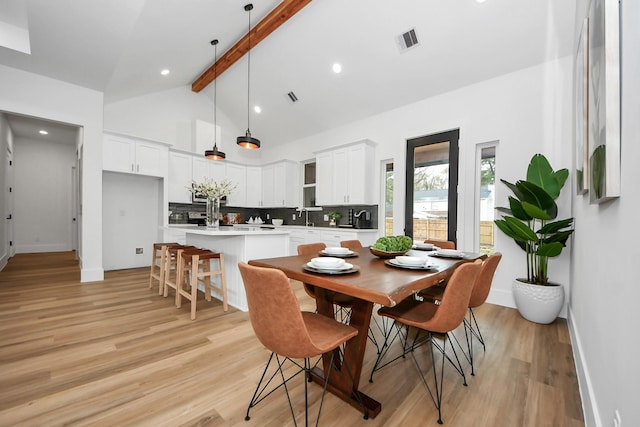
x=292 y=96
x=408 y=40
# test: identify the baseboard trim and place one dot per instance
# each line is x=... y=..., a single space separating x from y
x=589 y=404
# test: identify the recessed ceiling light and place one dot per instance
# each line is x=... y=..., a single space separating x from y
x=480 y=1
x=337 y=68
x=165 y=72
x=44 y=132
x=257 y=109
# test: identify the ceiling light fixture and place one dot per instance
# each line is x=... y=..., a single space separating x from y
x=44 y=132
x=215 y=154
x=165 y=72
x=337 y=68
x=247 y=141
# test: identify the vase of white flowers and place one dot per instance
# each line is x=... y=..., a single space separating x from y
x=213 y=191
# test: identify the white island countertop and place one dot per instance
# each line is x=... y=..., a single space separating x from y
x=230 y=231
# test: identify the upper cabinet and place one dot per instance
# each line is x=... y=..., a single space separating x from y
x=280 y=185
x=254 y=186
x=133 y=155
x=180 y=175
x=344 y=175
x=237 y=174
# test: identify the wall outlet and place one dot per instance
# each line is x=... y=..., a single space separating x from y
x=326 y=217
x=268 y=216
x=293 y=217
x=138 y=251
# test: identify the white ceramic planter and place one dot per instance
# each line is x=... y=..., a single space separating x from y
x=539 y=304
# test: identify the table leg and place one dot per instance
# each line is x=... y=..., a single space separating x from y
x=345 y=383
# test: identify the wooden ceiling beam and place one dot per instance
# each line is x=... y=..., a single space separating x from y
x=278 y=16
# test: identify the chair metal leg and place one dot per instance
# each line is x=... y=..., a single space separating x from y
x=262 y=389
x=436 y=396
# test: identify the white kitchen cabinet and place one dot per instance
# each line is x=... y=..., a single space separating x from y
x=180 y=173
x=237 y=174
x=254 y=186
x=345 y=175
x=280 y=185
x=133 y=155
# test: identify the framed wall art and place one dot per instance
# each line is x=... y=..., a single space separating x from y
x=581 y=118
x=604 y=100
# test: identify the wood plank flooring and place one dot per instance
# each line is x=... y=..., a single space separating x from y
x=114 y=353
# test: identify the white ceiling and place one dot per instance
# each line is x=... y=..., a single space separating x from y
x=120 y=46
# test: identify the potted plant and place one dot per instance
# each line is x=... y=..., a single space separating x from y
x=333 y=218
x=530 y=220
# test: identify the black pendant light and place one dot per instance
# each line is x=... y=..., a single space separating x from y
x=215 y=154
x=247 y=141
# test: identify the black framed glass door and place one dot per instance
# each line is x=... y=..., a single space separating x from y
x=431 y=199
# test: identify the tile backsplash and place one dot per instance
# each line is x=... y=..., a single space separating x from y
x=179 y=214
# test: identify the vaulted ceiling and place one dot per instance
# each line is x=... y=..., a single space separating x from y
x=119 y=48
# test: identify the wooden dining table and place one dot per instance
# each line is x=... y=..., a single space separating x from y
x=374 y=282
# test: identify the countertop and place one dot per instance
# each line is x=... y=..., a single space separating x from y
x=256 y=228
x=230 y=231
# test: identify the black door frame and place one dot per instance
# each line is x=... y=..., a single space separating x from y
x=452 y=137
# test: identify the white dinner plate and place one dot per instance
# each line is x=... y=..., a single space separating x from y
x=345 y=266
x=395 y=263
x=346 y=254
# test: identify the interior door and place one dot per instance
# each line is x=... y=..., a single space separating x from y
x=431 y=199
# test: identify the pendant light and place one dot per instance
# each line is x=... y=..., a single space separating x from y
x=215 y=154
x=247 y=141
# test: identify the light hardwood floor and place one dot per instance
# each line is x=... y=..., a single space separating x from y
x=114 y=353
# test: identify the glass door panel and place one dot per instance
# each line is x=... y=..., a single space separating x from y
x=431 y=197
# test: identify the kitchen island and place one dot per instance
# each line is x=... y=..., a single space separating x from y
x=237 y=244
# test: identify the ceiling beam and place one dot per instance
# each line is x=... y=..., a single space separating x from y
x=278 y=16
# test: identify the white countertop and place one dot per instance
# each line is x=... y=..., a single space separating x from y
x=255 y=228
x=229 y=231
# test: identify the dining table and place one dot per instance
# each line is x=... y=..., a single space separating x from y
x=372 y=280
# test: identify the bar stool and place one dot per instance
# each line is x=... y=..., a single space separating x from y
x=171 y=274
x=159 y=254
x=198 y=263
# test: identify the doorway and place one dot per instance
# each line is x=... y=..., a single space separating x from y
x=431 y=198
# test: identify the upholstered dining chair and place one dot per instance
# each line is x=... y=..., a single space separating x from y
x=479 y=295
x=288 y=333
x=442 y=244
x=351 y=244
x=430 y=319
x=343 y=302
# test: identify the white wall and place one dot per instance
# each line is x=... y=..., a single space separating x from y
x=43 y=196
x=604 y=313
x=130 y=219
x=34 y=95
x=527 y=112
x=161 y=116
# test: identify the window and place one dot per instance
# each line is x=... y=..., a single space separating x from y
x=309 y=184
x=485 y=196
x=387 y=190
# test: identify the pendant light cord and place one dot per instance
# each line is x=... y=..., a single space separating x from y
x=215 y=94
x=249 y=70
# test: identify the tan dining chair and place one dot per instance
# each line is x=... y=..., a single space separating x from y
x=354 y=245
x=479 y=295
x=288 y=333
x=442 y=244
x=343 y=302
x=430 y=319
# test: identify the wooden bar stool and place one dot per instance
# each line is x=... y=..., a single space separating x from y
x=158 y=259
x=171 y=274
x=198 y=263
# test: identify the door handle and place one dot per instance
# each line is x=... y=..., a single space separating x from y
x=9 y=217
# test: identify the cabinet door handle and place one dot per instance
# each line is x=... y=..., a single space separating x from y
x=138 y=168
x=132 y=168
